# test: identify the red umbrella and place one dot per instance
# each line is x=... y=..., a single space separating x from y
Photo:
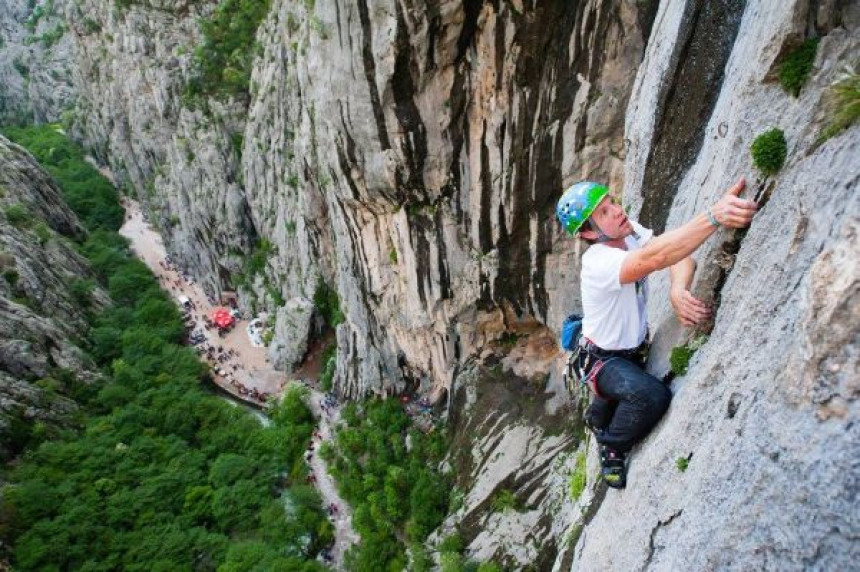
x=221 y=317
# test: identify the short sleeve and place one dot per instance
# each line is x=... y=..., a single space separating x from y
x=601 y=268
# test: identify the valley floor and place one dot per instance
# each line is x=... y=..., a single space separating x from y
x=252 y=369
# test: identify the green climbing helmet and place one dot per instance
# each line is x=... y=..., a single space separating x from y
x=577 y=203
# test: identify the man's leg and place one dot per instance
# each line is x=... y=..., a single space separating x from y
x=642 y=401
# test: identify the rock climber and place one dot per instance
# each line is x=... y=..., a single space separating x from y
x=628 y=402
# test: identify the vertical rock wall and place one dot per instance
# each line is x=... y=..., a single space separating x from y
x=35 y=62
x=416 y=151
x=40 y=317
x=407 y=154
x=767 y=414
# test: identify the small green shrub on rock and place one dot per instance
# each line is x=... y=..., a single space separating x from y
x=682 y=463
x=795 y=69
x=18 y=216
x=679 y=359
x=505 y=500
x=769 y=150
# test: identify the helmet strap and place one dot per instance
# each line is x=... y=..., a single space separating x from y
x=601 y=236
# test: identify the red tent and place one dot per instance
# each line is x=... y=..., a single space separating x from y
x=222 y=318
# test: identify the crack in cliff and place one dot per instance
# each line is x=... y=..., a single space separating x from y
x=724 y=259
x=370 y=74
x=682 y=118
x=660 y=524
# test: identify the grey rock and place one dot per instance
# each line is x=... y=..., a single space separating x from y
x=767 y=413
x=293 y=324
x=41 y=320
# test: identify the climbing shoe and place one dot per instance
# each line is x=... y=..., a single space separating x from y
x=613 y=467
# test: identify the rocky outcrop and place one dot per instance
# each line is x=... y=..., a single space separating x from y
x=767 y=414
x=130 y=67
x=35 y=62
x=408 y=155
x=42 y=315
x=417 y=150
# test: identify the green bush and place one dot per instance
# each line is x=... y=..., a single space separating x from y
x=398 y=497
x=452 y=543
x=682 y=463
x=769 y=151
x=329 y=360
x=81 y=290
x=505 y=500
x=795 y=68
x=42 y=232
x=18 y=216
x=327 y=304
x=223 y=62
x=679 y=359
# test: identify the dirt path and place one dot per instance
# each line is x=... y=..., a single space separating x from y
x=345 y=536
x=247 y=368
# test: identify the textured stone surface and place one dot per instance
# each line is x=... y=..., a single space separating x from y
x=409 y=154
x=35 y=61
x=506 y=441
x=40 y=320
x=768 y=412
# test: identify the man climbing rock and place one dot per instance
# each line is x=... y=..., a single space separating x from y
x=628 y=402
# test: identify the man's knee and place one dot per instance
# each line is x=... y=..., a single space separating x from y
x=661 y=397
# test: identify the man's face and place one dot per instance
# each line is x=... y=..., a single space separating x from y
x=611 y=219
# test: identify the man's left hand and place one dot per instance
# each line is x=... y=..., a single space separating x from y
x=689 y=310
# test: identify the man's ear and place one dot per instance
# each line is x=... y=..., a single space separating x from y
x=588 y=234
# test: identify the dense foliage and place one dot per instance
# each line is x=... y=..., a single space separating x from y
x=327 y=304
x=87 y=192
x=163 y=475
x=224 y=59
x=769 y=151
x=397 y=494
x=794 y=70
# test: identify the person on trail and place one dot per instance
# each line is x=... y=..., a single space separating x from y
x=628 y=402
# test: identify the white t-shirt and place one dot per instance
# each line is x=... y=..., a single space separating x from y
x=615 y=317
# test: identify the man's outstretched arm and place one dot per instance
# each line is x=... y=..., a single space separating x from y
x=668 y=249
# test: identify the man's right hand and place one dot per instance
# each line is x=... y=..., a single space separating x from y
x=733 y=211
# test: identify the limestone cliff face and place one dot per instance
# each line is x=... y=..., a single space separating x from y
x=35 y=62
x=412 y=153
x=767 y=414
x=409 y=154
x=40 y=317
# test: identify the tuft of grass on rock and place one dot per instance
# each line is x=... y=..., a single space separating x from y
x=769 y=151
x=504 y=501
x=795 y=68
x=682 y=463
x=578 y=478
x=846 y=110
